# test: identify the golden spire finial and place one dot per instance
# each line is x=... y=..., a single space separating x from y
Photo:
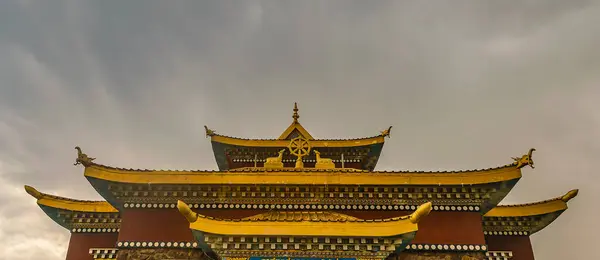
x=295 y=116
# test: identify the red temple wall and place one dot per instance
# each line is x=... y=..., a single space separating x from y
x=519 y=245
x=80 y=244
x=439 y=227
x=154 y=225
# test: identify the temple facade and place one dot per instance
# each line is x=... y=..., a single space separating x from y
x=297 y=197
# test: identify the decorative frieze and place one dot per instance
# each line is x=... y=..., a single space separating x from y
x=162 y=254
x=228 y=196
x=155 y=244
x=104 y=253
x=95 y=230
x=506 y=233
x=447 y=247
x=240 y=246
x=372 y=207
x=499 y=255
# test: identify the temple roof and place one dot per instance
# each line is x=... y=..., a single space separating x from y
x=57 y=202
x=536 y=208
x=524 y=219
x=303 y=176
x=234 y=152
x=296 y=129
x=78 y=215
x=305 y=224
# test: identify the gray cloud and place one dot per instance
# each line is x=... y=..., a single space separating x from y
x=466 y=84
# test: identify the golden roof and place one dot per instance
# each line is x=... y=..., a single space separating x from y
x=532 y=209
x=296 y=128
x=501 y=217
x=57 y=202
x=303 y=176
x=305 y=224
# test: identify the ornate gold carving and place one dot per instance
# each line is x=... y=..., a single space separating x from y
x=289 y=216
x=209 y=132
x=295 y=116
x=275 y=162
x=386 y=132
x=185 y=210
x=33 y=192
x=421 y=212
x=83 y=158
x=570 y=195
x=323 y=163
x=299 y=147
x=160 y=254
x=525 y=160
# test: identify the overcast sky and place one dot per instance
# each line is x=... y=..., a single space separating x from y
x=466 y=84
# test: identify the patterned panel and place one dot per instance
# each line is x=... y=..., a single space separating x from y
x=104 y=253
x=499 y=255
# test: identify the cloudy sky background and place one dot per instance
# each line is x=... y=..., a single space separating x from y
x=466 y=84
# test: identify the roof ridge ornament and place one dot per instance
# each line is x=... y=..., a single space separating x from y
x=524 y=160
x=295 y=116
x=386 y=132
x=33 y=192
x=209 y=132
x=83 y=158
x=570 y=195
x=299 y=147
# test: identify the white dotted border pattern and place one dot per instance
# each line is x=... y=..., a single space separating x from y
x=301 y=207
x=146 y=244
x=103 y=253
x=95 y=230
x=506 y=233
x=446 y=247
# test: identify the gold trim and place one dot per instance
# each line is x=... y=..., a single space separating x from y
x=295 y=126
x=532 y=209
x=302 y=177
x=283 y=143
x=381 y=228
x=69 y=204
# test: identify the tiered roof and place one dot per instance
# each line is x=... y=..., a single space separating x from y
x=302 y=197
x=234 y=152
x=518 y=218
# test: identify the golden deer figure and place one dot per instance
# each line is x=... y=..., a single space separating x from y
x=323 y=163
x=275 y=162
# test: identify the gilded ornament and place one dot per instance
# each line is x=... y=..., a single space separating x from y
x=386 y=132
x=570 y=195
x=299 y=147
x=323 y=163
x=524 y=160
x=83 y=158
x=275 y=162
x=209 y=132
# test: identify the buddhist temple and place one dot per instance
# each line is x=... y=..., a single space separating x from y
x=298 y=197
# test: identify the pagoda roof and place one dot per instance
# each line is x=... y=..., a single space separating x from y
x=74 y=205
x=78 y=215
x=293 y=130
x=303 y=176
x=525 y=219
x=535 y=208
x=305 y=224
